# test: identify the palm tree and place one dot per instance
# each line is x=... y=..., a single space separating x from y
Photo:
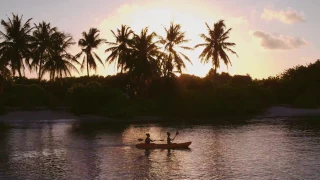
x=144 y=55
x=142 y=62
x=42 y=39
x=215 y=45
x=89 y=42
x=16 y=45
x=174 y=40
x=121 y=48
x=59 y=61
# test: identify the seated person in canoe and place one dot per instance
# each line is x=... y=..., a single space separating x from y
x=169 y=139
x=148 y=140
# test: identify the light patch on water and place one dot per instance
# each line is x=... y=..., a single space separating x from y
x=263 y=149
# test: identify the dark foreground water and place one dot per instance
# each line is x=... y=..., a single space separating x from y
x=259 y=149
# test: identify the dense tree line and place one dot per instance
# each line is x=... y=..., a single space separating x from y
x=147 y=82
x=298 y=86
x=186 y=95
x=44 y=49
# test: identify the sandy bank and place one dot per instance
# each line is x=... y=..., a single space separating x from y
x=56 y=116
x=41 y=115
x=281 y=111
x=48 y=115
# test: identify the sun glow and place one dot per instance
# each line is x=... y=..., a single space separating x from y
x=157 y=15
x=254 y=58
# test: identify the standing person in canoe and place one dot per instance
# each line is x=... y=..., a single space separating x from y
x=148 y=140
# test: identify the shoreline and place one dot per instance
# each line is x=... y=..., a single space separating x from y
x=62 y=114
x=284 y=111
x=45 y=115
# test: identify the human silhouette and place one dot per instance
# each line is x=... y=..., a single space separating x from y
x=148 y=140
x=169 y=139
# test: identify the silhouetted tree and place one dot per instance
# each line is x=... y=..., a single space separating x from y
x=120 y=49
x=60 y=62
x=218 y=79
x=241 y=80
x=215 y=45
x=143 y=63
x=173 y=41
x=89 y=42
x=16 y=46
x=43 y=40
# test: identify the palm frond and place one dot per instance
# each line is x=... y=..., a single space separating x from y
x=225 y=58
x=99 y=59
x=215 y=45
x=83 y=62
x=200 y=45
x=206 y=38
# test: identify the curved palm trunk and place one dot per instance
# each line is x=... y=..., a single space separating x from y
x=1 y=83
x=40 y=71
x=121 y=69
x=215 y=71
x=20 y=75
x=215 y=64
x=40 y=66
x=88 y=68
x=120 y=62
x=53 y=75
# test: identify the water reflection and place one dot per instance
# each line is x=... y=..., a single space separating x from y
x=271 y=149
x=4 y=154
x=147 y=152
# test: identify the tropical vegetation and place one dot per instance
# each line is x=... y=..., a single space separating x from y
x=150 y=78
x=42 y=39
x=215 y=45
x=174 y=40
x=120 y=50
x=88 y=43
x=16 y=44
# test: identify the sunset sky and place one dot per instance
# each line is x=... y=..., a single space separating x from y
x=271 y=35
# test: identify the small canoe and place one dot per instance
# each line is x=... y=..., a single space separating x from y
x=163 y=146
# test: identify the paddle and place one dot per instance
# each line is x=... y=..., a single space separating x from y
x=177 y=133
x=140 y=139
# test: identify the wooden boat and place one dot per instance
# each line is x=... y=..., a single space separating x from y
x=163 y=146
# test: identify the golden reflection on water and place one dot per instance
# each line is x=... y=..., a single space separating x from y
x=104 y=151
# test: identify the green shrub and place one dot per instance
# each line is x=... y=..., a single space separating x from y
x=307 y=100
x=75 y=97
x=2 y=108
x=37 y=96
x=222 y=101
x=94 y=97
x=27 y=96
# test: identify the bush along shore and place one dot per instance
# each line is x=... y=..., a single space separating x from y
x=150 y=79
x=184 y=96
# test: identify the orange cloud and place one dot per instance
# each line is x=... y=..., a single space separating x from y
x=290 y=16
x=280 y=42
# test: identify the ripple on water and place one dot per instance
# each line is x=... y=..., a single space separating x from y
x=278 y=149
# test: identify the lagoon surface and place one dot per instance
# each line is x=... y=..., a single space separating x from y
x=67 y=149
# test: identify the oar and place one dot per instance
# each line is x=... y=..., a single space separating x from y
x=176 y=135
x=140 y=139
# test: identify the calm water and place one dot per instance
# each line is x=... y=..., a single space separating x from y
x=258 y=149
